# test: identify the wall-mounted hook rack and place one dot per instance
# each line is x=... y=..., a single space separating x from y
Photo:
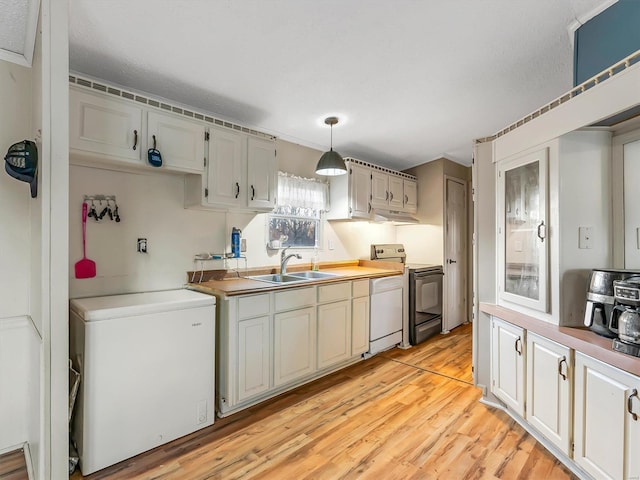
x=104 y=201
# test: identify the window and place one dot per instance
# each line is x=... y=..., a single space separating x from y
x=296 y=219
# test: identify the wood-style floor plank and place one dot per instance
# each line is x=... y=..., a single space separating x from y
x=402 y=414
x=13 y=466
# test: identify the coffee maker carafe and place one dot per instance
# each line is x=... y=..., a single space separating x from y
x=625 y=318
x=600 y=299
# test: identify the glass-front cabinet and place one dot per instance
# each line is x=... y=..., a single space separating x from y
x=522 y=230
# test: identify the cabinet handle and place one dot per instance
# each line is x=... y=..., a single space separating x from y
x=518 y=346
x=634 y=393
x=390 y=195
x=369 y=208
x=135 y=139
x=387 y=195
x=542 y=231
x=406 y=199
x=237 y=189
x=253 y=192
x=563 y=375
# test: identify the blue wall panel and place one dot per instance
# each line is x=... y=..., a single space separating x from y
x=606 y=39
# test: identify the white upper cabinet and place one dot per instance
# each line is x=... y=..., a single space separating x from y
x=225 y=178
x=262 y=173
x=350 y=195
x=241 y=173
x=410 y=198
x=110 y=130
x=379 y=189
x=100 y=126
x=396 y=193
x=368 y=186
x=522 y=230
x=179 y=141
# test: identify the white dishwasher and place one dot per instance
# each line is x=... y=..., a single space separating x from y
x=386 y=313
x=147 y=372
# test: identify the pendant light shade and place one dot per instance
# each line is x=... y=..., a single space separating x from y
x=331 y=163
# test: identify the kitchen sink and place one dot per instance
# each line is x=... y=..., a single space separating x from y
x=312 y=274
x=278 y=278
x=293 y=277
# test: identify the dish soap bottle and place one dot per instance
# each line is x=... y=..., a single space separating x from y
x=314 y=260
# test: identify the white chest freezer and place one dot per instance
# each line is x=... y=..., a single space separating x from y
x=147 y=372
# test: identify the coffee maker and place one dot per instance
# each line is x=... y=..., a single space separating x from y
x=601 y=301
x=625 y=318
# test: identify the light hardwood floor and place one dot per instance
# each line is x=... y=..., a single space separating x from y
x=402 y=414
x=13 y=466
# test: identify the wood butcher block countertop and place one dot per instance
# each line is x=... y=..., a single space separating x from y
x=234 y=282
x=580 y=339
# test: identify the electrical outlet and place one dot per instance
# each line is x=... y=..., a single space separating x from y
x=142 y=245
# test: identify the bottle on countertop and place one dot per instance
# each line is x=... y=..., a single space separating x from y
x=235 y=242
x=314 y=260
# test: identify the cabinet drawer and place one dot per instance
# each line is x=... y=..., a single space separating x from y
x=360 y=288
x=334 y=292
x=295 y=298
x=253 y=306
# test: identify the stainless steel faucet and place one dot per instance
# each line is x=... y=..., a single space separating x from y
x=285 y=258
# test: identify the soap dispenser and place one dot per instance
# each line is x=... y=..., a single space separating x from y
x=314 y=260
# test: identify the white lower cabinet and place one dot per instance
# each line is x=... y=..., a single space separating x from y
x=254 y=357
x=334 y=333
x=508 y=364
x=587 y=409
x=294 y=345
x=272 y=342
x=549 y=380
x=607 y=420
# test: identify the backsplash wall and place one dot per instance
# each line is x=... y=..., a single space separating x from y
x=151 y=207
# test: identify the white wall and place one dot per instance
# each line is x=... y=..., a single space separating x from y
x=423 y=243
x=20 y=368
x=151 y=206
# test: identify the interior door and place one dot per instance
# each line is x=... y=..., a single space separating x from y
x=455 y=268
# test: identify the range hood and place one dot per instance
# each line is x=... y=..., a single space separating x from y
x=393 y=216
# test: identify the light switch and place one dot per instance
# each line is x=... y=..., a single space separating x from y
x=585 y=235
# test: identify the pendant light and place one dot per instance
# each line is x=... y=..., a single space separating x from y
x=331 y=163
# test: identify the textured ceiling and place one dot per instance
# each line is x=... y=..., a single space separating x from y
x=411 y=80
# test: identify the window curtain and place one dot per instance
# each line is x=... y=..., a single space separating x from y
x=301 y=193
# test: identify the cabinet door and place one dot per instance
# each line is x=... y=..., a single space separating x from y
x=254 y=354
x=105 y=126
x=410 y=189
x=507 y=364
x=334 y=333
x=396 y=192
x=606 y=435
x=359 y=191
x=522 y=230
x=294 y=345
x=359 y=325
x=379 y=189
x=549 y=380
x=262 y=171
x=180 y=142
x=224 y=172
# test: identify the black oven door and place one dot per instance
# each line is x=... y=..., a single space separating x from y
x=425 y=305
